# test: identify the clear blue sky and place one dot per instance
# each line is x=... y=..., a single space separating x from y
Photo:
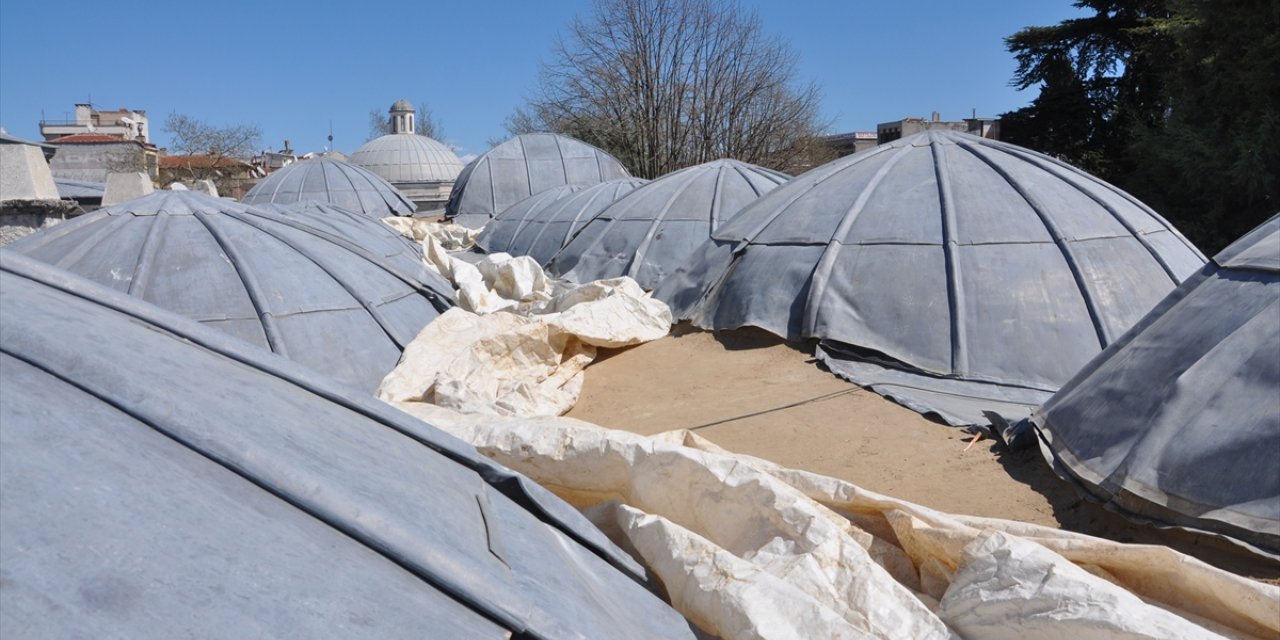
x=291 y=67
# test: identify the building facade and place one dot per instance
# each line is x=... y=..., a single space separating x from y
x=127 y=124
x=91 y=156
x=843 y=144
x=983 y=127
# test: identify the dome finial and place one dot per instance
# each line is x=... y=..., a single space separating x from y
x=402 y=115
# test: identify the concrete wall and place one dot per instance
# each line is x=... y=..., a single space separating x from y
x=426 y=196
x=92 y=162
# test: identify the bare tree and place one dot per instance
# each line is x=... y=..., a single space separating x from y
x=425 y=123
x=208 y=151
x=664 y=84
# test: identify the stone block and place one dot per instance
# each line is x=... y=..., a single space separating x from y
x=205 y=186
x=126 y=186
x=24 y=174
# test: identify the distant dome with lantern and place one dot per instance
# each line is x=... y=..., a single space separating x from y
x=423 y=168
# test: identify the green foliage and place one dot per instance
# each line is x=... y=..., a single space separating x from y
x=1175 y=101
x=1213 y=164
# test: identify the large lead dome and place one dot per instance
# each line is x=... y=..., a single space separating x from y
x=161 y=480
x=1179 y=420
x=332 y=181
x=343 y=307
x=943 y=269
x=522 y=166
x=407 y=157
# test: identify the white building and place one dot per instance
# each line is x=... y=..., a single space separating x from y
x=128 y=124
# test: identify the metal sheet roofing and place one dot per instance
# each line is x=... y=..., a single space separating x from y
x=652 y=231
x=333 y=181
x=1179 y=420
x=545 y=230
x=327 y=300
x=976 y=268
x=79 y=189
x=162 y=480
x=521 y=167
x=405 y=157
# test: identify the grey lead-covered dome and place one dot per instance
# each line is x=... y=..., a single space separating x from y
x=652 y=231
x=406 y=157
x=522 y=166
x=1179 y=420
x=370 y=235
x=332 y=181
x=543 y=231
x=161 y=480
x=953 y=273
x=497 y=235
x=272 y=280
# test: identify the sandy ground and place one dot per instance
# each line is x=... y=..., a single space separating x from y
x=752 y=393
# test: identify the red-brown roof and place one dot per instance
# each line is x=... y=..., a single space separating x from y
x=90 y=138
x=201 y=162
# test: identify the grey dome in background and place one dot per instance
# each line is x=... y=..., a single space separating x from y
x=162 y=480
x=497 y=235
x=1178 y=421
x=522 y=166
x=406 y=157
x=652 y=231
x=269 y=279
x=332 y=181
x=545 y=230
x=953 y=273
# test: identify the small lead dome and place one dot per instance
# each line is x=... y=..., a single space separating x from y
x=333 y=181
x=304 y=292
x=522 y=166
x=942 y=269
x=652 y=231
x=161 y=480
x=500 y=231
x=543 y=231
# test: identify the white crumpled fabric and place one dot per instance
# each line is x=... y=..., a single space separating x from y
x=1010 y=588
x=517 y=345
x=748 y=549
x=453 y=237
